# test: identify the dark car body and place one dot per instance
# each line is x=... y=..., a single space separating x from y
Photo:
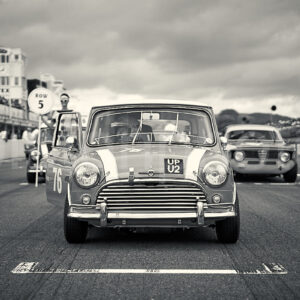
x=45 y=148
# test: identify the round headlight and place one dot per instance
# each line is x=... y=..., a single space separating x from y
x=284 y=156
x=34 y=155
x=215 y=173
x=87 y=175
x=239 y=155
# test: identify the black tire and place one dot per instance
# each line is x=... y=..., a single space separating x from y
x=228 y=230
x=291 y=175
x=30 y=177
x=75 y=231
x=238 y=176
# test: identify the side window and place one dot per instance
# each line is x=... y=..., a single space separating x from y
x=68 y=126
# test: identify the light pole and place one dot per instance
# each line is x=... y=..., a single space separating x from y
x=273 y=108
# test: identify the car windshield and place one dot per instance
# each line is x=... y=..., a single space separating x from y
x=266 y=135
x=151 y=126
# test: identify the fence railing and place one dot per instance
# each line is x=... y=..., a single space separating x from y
x=17 y=113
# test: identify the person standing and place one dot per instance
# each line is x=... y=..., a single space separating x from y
x=51 y=119
x=64 y=100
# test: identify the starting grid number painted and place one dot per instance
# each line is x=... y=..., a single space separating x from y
x=32 y=268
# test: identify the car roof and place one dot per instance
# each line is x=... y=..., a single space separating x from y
x=250 y=127
x=153 y=101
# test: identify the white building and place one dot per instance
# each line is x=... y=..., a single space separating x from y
x=54 y=85
x=13 y=85
x=14 y=115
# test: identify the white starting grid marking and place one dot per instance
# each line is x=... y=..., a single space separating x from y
x=31 y=268
x=270 y=183
x=24 y=183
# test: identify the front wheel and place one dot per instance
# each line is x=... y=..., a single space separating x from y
x=75 y=231
x=291 y=175
x=228 y=230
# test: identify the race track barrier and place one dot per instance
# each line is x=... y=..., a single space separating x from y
x=11 y=149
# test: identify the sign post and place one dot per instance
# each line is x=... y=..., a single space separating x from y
x=40 y=101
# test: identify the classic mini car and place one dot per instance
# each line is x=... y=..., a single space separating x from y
x=46 y=146
x=260 y=149
x=142 y=164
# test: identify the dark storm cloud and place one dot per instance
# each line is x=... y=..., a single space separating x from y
x=240 y=49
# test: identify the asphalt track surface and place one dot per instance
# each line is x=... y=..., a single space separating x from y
x=37 y=262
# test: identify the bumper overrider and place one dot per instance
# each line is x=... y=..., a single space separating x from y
x=152 y=204
x=32 y=169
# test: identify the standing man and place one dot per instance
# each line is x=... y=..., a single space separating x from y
x=51 y=119
x=64 y=100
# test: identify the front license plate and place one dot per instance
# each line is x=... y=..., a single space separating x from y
x=173 y=166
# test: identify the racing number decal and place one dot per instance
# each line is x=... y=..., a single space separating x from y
x=57 y=183
x=173 y=166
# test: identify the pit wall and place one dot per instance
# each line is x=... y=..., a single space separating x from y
x=11 y=149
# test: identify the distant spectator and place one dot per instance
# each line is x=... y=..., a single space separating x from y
x=3 y=135
x=28 y=136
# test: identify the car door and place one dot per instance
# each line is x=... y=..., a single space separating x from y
x=61 y=157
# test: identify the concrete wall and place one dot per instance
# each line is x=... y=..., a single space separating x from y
x=11 y=149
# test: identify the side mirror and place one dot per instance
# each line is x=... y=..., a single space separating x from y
x=72 y=144
x=224 y=141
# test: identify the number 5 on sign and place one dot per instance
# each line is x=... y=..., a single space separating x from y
x=40 y=101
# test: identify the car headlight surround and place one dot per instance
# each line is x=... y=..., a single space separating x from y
x=215 y=173
x=284 y=156
x=87 y=175
x=34 y=155
x=239 y=155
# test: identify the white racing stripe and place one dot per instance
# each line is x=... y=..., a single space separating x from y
x=192 y=163
x=31 y=268
x=109 y=163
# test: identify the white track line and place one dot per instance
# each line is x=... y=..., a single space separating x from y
x=270 y=183
x=24 y=183
x=31 y=268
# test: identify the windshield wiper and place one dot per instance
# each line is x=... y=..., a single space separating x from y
x=138 y=130
x=175 y=130
x=274 y=136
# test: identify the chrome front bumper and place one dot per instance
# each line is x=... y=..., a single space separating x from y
x=256 y=166
x=203 y=214
x=41 y=170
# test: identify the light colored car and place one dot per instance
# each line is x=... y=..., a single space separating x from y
x=260 y=149
x=142 y=164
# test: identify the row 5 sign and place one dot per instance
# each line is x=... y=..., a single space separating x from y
x=40 y=101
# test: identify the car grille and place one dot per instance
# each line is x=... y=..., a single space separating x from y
x=273 y=154
x=251 y=154
x=159 y=197
x=261 y=154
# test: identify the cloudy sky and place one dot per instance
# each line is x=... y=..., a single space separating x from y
x=230 y=54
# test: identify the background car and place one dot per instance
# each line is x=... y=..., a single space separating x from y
x=46 y=146
x=260 y=149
